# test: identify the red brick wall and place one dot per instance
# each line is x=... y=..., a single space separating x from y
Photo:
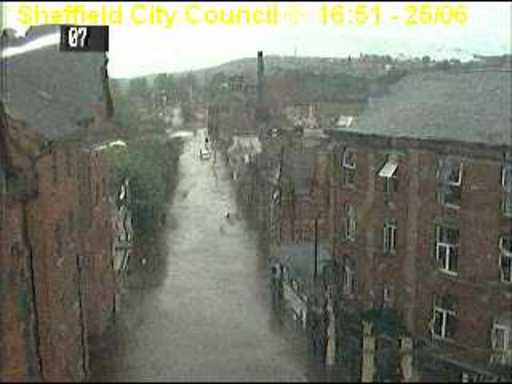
x=97 y=248
x=56 y=273
x=69 y=238
x=18 y=359
x=477 y=288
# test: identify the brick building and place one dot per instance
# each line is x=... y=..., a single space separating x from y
x=57 y=287
x=421 y=221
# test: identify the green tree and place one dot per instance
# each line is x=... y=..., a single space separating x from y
x=152 y=168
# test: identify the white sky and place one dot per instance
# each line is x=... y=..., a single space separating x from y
x=139 y=50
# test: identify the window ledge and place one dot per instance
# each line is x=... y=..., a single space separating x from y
x=450 y=206
x=448 y=273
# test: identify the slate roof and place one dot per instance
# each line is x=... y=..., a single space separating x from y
x=53 y=92
x=469 y=107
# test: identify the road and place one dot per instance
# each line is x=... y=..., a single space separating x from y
x=207 y=315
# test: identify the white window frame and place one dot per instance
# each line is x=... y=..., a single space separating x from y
x=350 y=225
x=387 y=296
x=458 y=182
x=349 y=168
x=508 y=254
x=506 y=337
x=449 y=184
x=506 y=170
x=389 y=183
x=445 y=313
x=451 y=249
x=506 y=205
x=390 y=180
x=391 y=229
x=345 y=163
x=348 y=279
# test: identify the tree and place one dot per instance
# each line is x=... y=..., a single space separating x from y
x=152 y=168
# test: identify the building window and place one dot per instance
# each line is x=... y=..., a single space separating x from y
x=500 y=337
x=444 y=319
x=447 y=244
x=387 y=297
x=390 y=236
x=349 y=223
x=450 y=178
x=505 y=246
x=501 y=340
x=349 y=278
x=390 y=174
x=123 y=191
x=348 y=165
x=506 y=183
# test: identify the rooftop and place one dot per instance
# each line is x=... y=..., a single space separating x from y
x=55 y=93
x=468 y=107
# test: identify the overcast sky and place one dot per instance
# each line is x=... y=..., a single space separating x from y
x=139 y=50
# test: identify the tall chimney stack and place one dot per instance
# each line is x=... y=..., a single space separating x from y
x=260 y=77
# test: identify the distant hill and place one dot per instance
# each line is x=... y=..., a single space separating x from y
x=372 y=69
x=276 y=64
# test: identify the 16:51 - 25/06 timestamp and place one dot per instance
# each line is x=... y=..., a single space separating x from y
x=408 y=14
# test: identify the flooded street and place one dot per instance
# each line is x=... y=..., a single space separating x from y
x=207 y=315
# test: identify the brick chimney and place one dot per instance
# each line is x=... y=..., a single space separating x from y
x=260 y=77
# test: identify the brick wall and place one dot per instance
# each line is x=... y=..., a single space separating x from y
x=64 y=234
x=18 y=355
x=411 y=271
x=56 y=245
